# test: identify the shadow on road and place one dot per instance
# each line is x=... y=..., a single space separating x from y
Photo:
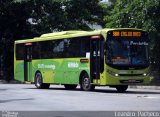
x=111 y=90
x=12 y=100
x=3 y=89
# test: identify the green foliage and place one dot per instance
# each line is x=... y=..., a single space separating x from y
x=80 y=13
x=138 y=14
x=22 y=19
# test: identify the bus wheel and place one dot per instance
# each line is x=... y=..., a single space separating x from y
x=70 y=87
x=121 y=88
x=85 y=83
x=39 y=82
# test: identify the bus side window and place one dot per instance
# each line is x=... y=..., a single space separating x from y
x=85 y=46
x=19 y=51
x=36 y=51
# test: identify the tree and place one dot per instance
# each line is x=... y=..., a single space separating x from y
x=142 y=14
x=22 y=19
x=139 y=14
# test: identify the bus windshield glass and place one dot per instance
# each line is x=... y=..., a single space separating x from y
x=128 y=52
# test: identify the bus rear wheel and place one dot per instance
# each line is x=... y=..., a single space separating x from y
x=70 y=87
x=121 y=88
x=39 y=82
x=85 y=83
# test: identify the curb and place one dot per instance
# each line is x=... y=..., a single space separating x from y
x=3 y=82
x=10 y=82
x=146 y=87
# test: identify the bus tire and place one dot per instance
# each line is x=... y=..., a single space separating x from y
x=39 y=82
x=85 y=83
x=121 y=88
x=70 y=87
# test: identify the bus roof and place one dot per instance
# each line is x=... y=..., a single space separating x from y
x=59 y=35
x=70 y=34
x=62 y=33
x=109 y=29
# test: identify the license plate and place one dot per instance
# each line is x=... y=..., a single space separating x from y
x=131 y=80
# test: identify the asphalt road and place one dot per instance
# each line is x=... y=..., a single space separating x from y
x=25 y=97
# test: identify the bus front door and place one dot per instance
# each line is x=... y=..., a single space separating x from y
x=95 y=59
x=28 y=62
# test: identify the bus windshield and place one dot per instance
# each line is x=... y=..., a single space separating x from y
x=130 y=52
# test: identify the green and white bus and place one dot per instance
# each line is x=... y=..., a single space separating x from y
x=107 y=57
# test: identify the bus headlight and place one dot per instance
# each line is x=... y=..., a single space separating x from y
x=144 y=74
x=116 y=75
x=112 y=73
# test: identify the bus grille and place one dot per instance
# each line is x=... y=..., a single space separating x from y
x=131 y=81
x=130 y=74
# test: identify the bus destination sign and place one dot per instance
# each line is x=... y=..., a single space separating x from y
x=127 y=34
